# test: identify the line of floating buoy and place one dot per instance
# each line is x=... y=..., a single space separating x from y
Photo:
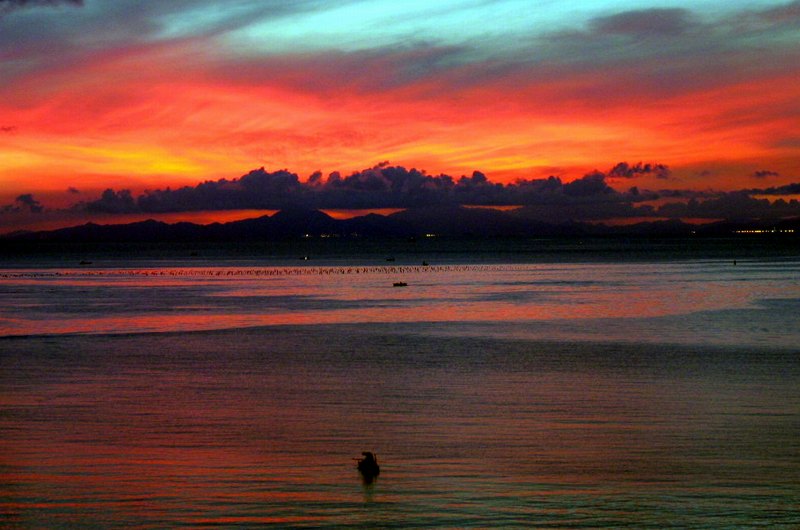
x=260 y=272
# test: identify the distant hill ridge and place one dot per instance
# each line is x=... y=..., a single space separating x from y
x=455 y=221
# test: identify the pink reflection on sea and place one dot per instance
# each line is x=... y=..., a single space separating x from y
x=244 y=427
x=75 y=301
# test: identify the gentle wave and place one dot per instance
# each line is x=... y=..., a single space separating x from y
x=248 y=427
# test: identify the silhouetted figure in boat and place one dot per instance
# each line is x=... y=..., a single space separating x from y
x=368 y=467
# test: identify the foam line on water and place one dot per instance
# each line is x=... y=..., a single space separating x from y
x=263 y=271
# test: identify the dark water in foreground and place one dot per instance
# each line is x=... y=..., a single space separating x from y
x=606 y=395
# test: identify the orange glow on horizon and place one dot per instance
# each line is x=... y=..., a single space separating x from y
x=56 y=220
x=205 y=131
x=349 y=214
x=146 y=126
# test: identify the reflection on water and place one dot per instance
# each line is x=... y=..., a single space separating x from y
x=606 y=395
x=260 y=426
x=652 y=299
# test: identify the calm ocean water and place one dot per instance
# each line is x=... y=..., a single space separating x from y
x=543 y=394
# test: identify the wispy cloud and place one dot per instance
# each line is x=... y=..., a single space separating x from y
x=136 y=94
x=628 y=171
x=645 y=23
x=7 y=6
x=765 y=173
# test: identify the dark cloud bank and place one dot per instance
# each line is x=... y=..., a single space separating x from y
x=382 y=186
x=589 y=198
x=433 y=203
x=23 y=203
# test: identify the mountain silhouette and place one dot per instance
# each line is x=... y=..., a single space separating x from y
x=447 y=221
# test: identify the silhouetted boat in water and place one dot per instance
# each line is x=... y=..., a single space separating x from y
x=400 y=284
x=368 y=466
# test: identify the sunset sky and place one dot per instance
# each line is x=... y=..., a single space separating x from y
x=144 y=95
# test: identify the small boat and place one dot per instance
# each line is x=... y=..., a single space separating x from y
x=400 y=284
x=368 y=466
